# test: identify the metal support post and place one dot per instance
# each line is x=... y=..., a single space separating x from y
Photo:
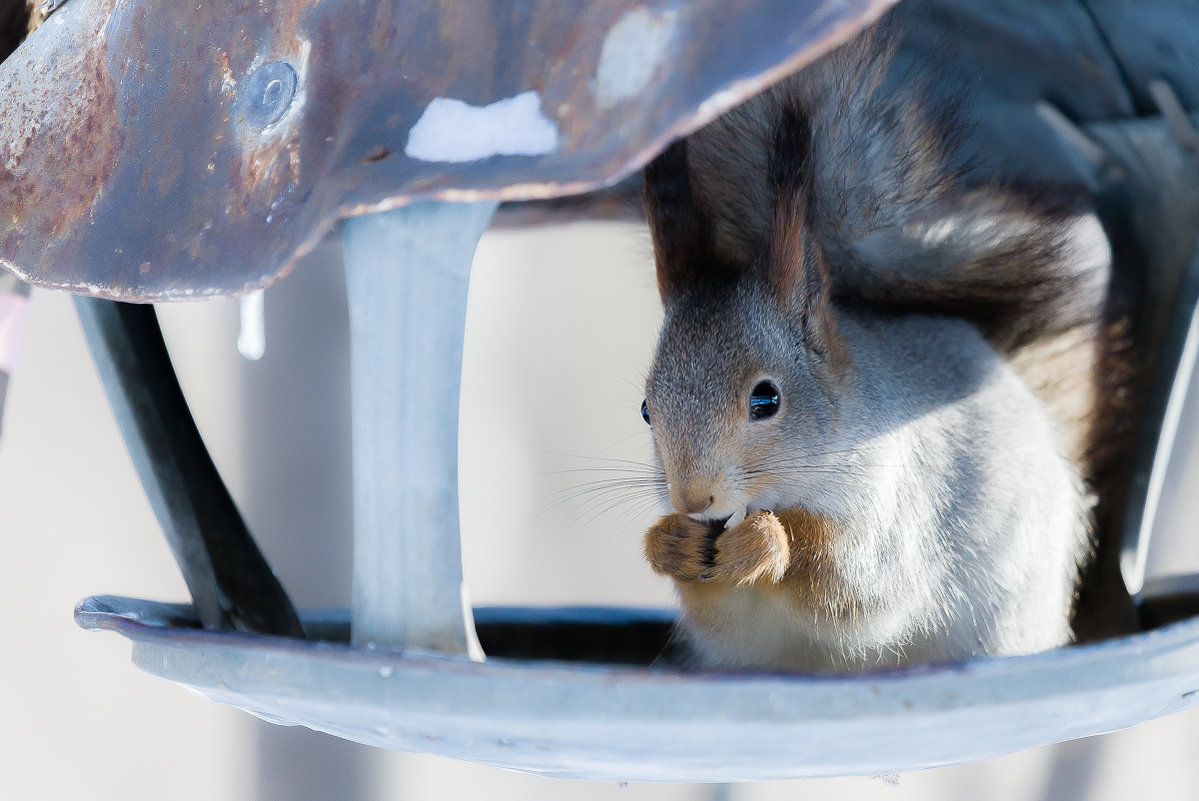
x=407 y=275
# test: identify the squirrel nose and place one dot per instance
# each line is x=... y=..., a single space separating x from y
x=691 y=500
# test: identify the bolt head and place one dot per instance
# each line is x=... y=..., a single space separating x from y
x=267 y=93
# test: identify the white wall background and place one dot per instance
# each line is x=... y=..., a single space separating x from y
x=560 y=334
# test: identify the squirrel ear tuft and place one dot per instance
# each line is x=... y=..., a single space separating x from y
x=681 y=230
x=794 y=264
x=797 y=272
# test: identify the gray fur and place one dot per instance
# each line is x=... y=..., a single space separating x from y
x=964 y=524
x=961 y=517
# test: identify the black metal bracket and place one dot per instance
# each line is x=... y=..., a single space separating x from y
x=231 y=584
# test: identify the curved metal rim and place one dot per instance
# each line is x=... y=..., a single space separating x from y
x=655 y=724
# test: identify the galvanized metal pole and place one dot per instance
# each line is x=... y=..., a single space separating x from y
x=407 y=274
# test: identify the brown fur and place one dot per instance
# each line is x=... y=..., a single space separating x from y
x=789 y=549
x=756 y=549
x=679 y=547
x=683 y=238
x=752 y=555
x=796 y=260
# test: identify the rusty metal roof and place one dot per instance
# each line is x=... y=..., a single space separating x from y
x=149 y=156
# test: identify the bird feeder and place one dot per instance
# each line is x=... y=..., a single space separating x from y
x=147 y=157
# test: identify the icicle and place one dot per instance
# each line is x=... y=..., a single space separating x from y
x=251 y=338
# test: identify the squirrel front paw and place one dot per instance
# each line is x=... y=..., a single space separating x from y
x=756 y=549
x=681 y=547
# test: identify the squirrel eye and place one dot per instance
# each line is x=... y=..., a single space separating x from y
x=645 y=413
x=763 y=401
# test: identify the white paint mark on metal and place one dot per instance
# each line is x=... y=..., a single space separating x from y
x=632 y=52
x=452 y=131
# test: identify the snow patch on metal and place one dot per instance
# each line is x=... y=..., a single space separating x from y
x=632 y=52
x=455 y=132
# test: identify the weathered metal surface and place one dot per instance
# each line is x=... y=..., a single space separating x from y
x=139 y=158
x=1157 y=41
x=649 y=724
x=1013 y=55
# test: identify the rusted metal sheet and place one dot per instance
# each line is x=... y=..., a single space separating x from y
x=151 y=151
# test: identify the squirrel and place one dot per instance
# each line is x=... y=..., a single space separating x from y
x=873 y=398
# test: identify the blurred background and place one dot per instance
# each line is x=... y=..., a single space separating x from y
x=561 y=328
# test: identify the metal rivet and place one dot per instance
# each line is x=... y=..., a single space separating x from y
x=267 y=92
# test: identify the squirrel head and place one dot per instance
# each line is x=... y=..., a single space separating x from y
x=749 y=362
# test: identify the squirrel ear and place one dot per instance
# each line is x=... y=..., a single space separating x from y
x=797 y=271
x=795 y=265
x=681 y=230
